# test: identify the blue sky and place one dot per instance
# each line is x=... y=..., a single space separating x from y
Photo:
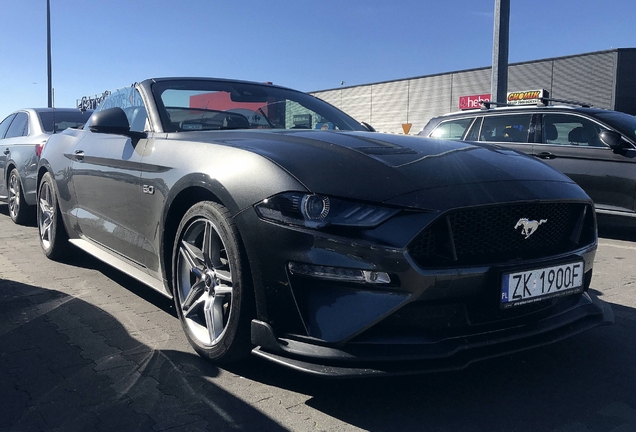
x=102 y=45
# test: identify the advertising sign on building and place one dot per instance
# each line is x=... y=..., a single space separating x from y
x=472 y=102
x=527 y=97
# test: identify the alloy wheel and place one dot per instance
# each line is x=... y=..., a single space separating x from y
x=204 y=282
x=46 y=209
x=14 y=195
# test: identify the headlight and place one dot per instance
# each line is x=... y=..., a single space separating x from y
x=318 y=211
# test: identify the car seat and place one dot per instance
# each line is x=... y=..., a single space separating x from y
x=486 y=133
x=578 y=136
x=551 y=132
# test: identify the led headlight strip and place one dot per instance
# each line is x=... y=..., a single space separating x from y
x=339 y=273
x=317 y=211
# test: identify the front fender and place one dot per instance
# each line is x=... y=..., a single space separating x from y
x=235 y=178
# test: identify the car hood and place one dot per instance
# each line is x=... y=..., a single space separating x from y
x=383 y=167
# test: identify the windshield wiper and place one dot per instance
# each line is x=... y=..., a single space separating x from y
x=267 y=119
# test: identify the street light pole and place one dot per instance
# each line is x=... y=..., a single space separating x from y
x=48 y=51
x=499 y=81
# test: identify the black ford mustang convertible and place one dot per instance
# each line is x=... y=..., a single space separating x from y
x=283 y=227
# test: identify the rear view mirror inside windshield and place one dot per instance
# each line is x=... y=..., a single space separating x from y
x=248 y=95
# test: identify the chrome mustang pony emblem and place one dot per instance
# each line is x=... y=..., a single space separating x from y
x=529 y=226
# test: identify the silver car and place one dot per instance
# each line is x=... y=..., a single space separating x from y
x=22 y=138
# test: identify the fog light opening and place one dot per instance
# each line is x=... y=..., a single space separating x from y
x=339 y=273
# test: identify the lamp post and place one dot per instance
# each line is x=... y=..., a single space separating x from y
x=499 y=81
x=48 y=51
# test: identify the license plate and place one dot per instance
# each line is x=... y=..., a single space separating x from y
x=540 y=284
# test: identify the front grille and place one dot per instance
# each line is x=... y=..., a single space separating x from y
x=487 y=235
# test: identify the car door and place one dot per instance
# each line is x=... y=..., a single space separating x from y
x=571 y=144
x=106 y=180
x=4 y=151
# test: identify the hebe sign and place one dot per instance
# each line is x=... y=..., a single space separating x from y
x=472 y=102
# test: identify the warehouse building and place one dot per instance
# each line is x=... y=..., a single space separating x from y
x=604 y=79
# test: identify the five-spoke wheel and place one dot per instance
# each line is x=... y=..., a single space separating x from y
x=53 y=236
x=18 y=208
x=209 y=283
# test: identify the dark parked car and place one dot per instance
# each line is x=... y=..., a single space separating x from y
x=595 y=147
x=22 y=137
x=283 y=227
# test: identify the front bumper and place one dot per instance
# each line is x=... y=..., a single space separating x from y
x=445 y=355
x=425 y=320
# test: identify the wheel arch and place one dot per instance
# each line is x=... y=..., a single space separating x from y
x=41 y=171
x=235 y=193
x=10 y=166
x=189 y=191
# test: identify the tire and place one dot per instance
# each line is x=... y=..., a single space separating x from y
x=211 y=284
x=52 y=233
x=20 y=212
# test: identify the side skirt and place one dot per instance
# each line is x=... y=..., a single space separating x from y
x=121 y=265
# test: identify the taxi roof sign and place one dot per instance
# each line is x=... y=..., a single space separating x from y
x=527 y=97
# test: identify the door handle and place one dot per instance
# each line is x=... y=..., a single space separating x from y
x=545 y=155
x=7 y=151
x=79 y=155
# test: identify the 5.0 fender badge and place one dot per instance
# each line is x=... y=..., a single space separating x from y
x=529 y=226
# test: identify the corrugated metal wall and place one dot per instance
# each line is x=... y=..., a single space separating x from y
x=357 y=103
x=427 y=97
x=587 y=78
x=469 y=83
x=386 y=106
x=530 y=76
x=389 y=104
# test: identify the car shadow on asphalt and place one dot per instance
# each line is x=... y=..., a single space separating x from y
x=584 y=383
x=31 y=220
x=79 y=258
x=68 y=365
x=59 y=370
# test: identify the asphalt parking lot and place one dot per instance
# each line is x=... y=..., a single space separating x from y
x=84 y=347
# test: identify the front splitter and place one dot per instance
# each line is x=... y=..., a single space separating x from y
x=462 y=358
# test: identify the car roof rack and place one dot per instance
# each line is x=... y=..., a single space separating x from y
x=543 y=100
x=485 y=105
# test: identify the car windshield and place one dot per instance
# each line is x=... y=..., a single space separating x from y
x=219 y=105
x=624 y=123
x=57 y=121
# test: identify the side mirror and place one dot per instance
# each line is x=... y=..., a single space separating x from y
x=112 y=121
x=612 y=139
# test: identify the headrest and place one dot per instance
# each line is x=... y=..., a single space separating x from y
x=578 y=135
x=551 y=132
